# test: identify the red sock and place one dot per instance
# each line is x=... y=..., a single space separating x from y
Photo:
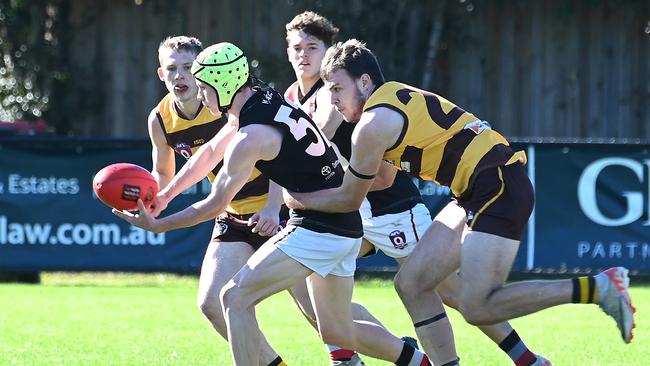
x=526 y=359
x=341 y=355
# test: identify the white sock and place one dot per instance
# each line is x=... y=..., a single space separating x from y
x=418 y=356
x=602 y=284
x=331 y=348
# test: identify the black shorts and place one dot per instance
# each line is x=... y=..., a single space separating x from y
x=500 y=201
x=229 y=227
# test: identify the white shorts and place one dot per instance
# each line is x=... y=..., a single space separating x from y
x=395 y=234
x=323 y=253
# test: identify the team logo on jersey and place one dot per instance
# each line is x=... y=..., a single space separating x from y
x=327 y=172
x=183 y=149
x=267 y=97
x=478 y=126
x=398 y=238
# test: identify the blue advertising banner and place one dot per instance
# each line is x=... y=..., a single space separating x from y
x=51 y=220
x=592 y=211
x=592 y=208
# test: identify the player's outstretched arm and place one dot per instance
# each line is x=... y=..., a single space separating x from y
x=162 y=156
x=239 y=161
x=197 y=167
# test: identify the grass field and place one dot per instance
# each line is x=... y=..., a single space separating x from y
x=117 y=319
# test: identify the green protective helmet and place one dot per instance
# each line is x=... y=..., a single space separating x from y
x=224 y=67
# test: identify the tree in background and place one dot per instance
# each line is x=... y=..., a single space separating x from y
x=403 y=34
x=30 y=66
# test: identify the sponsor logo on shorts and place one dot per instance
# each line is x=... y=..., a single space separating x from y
x=470 y=217
x=222 y=229
x=398 y=238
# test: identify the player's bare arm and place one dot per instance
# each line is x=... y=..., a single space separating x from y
x=385 y=177
x=239 y=160
x=326 y=117
x=197 y=167
x=377 y=131
x=267 y=220
x=162 y=156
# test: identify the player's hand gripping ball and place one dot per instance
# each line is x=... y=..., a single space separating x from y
x=120 y=185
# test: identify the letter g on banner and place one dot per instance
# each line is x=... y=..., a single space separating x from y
x=587 y=192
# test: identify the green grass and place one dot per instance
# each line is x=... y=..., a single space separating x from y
x=118 y=319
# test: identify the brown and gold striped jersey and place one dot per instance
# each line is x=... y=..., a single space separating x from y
x=440 y=141
x=185 y=136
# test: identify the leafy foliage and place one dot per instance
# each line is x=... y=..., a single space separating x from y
x=28 y=67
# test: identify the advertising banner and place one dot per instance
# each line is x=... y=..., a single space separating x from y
x=592 y=208
x=591 y=212
x=51 y=220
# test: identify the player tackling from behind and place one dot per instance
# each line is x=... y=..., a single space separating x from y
x=393 y=218
x=428 y=136
x=283 y=142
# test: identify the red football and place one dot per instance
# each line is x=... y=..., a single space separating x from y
x=120 y=185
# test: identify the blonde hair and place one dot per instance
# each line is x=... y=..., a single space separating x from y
x=181 y=43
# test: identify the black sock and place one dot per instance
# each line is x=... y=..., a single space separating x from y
x=584 y=290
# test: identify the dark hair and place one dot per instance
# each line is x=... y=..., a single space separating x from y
x=354 y=57
x=315 y=25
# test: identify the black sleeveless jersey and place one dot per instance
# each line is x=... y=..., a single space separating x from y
x=399 y=197
x=186 y=136
x=306 y=161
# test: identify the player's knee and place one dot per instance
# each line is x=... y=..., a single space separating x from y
x=210 y=307
x=448 y=295
x=338 y=336
x=406 y=285
x=477 y=318
x=474 y=312
x=232 y=297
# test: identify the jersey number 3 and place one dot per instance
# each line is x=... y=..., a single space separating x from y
x=299 y=130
